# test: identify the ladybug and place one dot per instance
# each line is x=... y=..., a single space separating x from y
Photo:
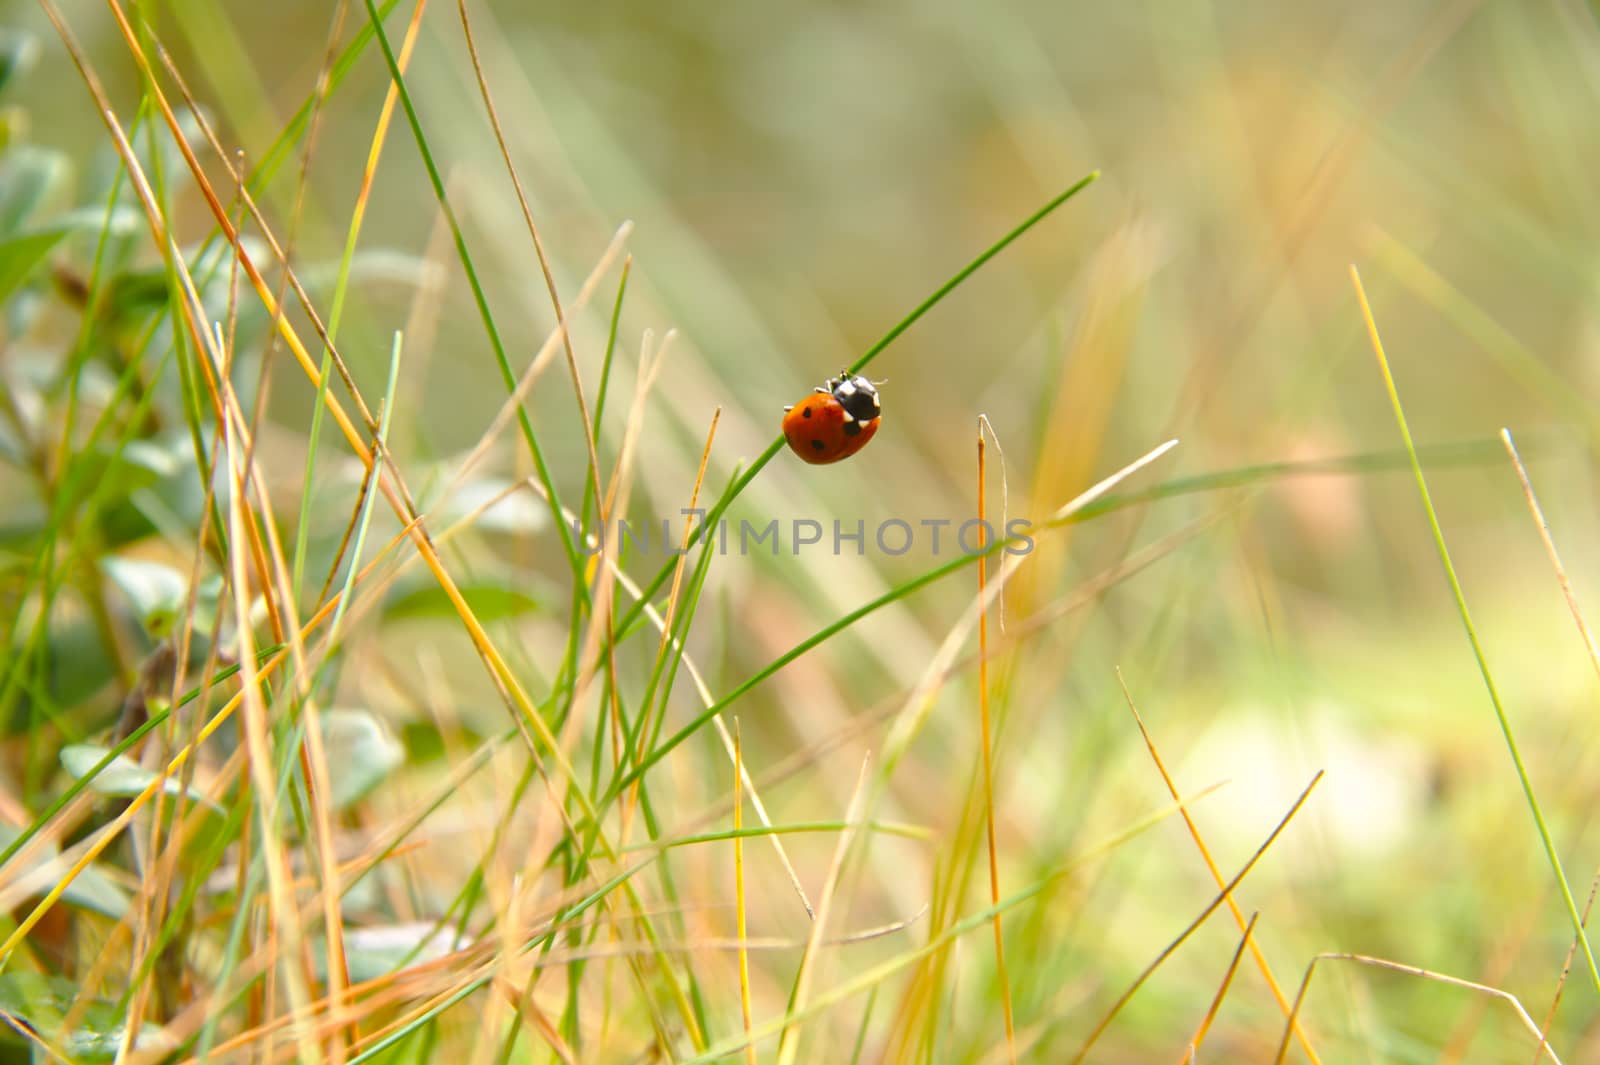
x=835 y=421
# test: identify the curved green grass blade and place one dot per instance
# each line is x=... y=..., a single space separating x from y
x=740 y=482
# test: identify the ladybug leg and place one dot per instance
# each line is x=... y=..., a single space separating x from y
x=823 y=389
x=787 y=409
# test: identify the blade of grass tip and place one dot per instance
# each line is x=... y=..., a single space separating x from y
x=605 y=375
x=1594 y=661
x=1171 y=948
x=1081 y=502
x=1561 y=981
x=973 y=267
x=1222 y=991
x=1256 y=953
x=738 y=888
x=1472 y=634
x=591 y=495
x=985 y=739
x=645 y=702
x=1550 y=549
x=738 y=484
x=1467 y=453
x=789 y=1040
x=513 y=402
x=1425 y=974
x=365 y=519
x=874 y=976
x=920 y=701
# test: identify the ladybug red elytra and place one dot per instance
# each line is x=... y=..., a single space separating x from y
x=835 y=421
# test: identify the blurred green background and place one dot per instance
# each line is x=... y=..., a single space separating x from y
x=799 y=177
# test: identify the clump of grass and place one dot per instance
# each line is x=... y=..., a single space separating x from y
x=340 y=727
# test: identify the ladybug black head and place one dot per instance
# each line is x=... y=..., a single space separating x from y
x=857 y=396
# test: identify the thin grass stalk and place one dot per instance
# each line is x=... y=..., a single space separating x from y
x=985 y=740
x=1222 y=991
x=1456 y=592
x=1256 y=953
x=738 y=890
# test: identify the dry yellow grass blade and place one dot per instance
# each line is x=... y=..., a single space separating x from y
x=391 y=483
x=738 y=891
x=986 y=741
x=672 y=596
x=1227 y=890
x=1216 y=874
x=789 y=1039
x=538 y=247
x=1410 y=970
x=1222 y=991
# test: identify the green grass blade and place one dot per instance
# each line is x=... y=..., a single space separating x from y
x=1472 y=636
x=739 y=483
x=480 y=298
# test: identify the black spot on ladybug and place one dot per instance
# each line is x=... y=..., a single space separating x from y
x=816 y=445
x=805 y=412
x=852 y=428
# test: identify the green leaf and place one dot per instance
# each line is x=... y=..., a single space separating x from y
x=133 y=295
x=65 y=668
x=19 y=50
x=138 y=465
x=20 y=256
x=156 y=590
x=374 y=952
x=122 y=776
x=14 y=126
x=41 y=1003
x=29 y=178
x=361 y=753
x=490 y=601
